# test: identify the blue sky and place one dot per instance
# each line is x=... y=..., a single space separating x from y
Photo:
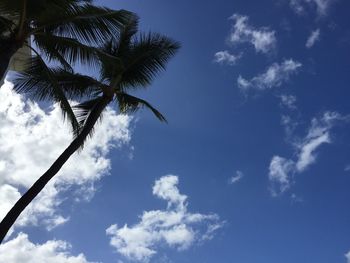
x=253 y=165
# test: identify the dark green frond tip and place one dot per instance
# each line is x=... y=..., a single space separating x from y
x=128 y=103
x=83 y=110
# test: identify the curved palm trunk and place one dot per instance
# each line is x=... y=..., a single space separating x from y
x=28 y=197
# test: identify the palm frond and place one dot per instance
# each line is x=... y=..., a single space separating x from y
x=39 y=83
x=118 y=47
x=6 y=26
x=146 y=58
x=88 y=113
x=66 y=50
x=83 y=110
x=128 y=103
x=10 y=7
x=77 y=86
x=87 y=23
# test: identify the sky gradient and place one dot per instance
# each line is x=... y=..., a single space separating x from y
x=253 y=165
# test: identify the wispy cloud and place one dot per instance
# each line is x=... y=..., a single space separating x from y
x=321 y=6
x=313 y=38
x=347 y=255
x=280 y=174
x=225 y=57
x=33 y=139
x=263 y=39
x=174 y=226
x=318 y=134
x=288 y=101
x=281 y=170
x=21 y=249
x=274 y=76
x=236 y=178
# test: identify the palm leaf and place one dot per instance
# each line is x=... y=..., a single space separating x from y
x=39 y=82
x=88 y=23
x=71 y=50
x=147 y=56
x=88 y=113
x=128 y=103
x=77 y=86
x=119 y=48
x=6 y=26
x=83 y=110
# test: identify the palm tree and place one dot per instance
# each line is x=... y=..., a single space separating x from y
x=60 y=30
x=137 y=61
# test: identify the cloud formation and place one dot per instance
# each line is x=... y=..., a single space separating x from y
x=175 y=226
x=281 y=170
x=288 y=101
x=274 y=76
x=225 y=57
x=321 y=6
x=347 y=255
x=279 y=174
x=31 y=139
x=235 y=179
x=262 y=39
x=313 y=38
x=21 y=249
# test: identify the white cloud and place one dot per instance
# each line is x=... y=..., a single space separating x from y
x=274 y=76
x=281 y=169
x=21 y=249
x=225 y=56
x=321 y=6
x=317 y=135
x=347 y=255
x=288 y=101
x=174 y=226
x=307 y=151
x=313 y=38
x=279 y=174
x=263 y=39
x=31 y=139
x=235 y=179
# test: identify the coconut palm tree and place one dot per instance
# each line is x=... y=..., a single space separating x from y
x=60 y=30
x=137 y=61
x=55 y=31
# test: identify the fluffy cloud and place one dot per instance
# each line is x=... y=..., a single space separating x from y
x=313 y=38
x=235 y=179
x=274 y=76
x=321 y=6
x=21 y=249
x=263 y=39
x=225 y=57
x=31 y=139
x=281 y=170
x=174 y=226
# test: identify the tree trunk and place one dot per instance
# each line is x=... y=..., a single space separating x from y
x=36 y=188
x=7 y=50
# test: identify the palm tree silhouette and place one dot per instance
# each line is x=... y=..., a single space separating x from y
x=135 y=60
